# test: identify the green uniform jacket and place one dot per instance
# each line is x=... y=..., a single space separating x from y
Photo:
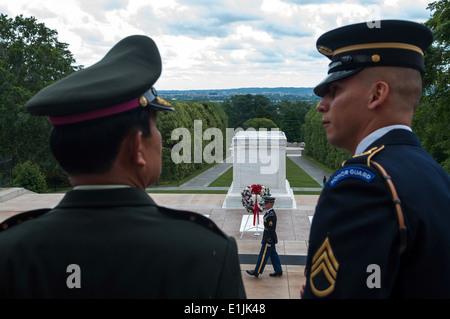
x=117 y=243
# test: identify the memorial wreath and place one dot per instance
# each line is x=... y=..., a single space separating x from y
x=253 y=199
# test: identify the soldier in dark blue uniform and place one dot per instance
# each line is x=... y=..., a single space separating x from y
x=380 y=229
x=107 y=238
x=268 y=242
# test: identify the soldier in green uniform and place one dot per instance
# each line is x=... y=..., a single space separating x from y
x=380 y=229
x=107 y=238
x=268 y=242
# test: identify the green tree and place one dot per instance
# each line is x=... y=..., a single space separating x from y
x=258 y=123
x=30 y=59
x=316 y=142
x=291 y=126
x=28 y=175
x=431 y=120
x=290 y=116
x=240 y=108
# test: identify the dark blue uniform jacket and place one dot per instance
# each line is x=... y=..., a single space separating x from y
x=270 y=225
x=355 y=241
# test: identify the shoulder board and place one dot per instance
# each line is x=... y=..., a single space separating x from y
x=365 y=157
x=22 y=217
x=193 y=217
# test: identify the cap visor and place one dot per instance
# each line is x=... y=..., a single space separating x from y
x=159 y=104
x=322 y=88
x=159 y=107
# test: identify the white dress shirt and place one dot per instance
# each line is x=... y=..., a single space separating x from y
x=372 y=137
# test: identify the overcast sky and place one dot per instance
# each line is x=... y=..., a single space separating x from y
x=214 y=44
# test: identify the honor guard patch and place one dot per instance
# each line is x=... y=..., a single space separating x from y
x=323 y=270
x=351 y=172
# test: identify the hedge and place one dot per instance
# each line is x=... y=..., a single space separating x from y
x=187 y=114
x=28 y=175
x=316 y=141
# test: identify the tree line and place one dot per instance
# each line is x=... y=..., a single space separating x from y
x=431 y=121
x=31 y=57
x=316 y=142
x=196 y=118
x=257 y=111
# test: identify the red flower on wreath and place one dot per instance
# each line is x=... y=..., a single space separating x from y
x=256 y=189
x=254 y=206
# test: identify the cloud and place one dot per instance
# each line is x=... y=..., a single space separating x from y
x=196 y=18
x=214 y=43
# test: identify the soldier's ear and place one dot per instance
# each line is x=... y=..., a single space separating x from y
x=135 y=146
x=378 y=94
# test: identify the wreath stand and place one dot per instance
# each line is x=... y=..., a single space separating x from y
x=255 y=225
x=246 y=229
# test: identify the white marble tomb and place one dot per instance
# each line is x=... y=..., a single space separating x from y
x=259 y=157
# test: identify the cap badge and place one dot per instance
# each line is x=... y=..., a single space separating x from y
x=376 y=58
x=143 y=101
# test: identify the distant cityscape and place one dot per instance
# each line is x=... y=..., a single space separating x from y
x=275 y=95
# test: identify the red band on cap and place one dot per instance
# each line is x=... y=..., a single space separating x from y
x=90 y=115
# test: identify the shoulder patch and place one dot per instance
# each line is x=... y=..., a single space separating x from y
x=22 y=217
x=351 y=172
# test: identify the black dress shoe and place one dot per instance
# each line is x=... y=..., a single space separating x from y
x=252 y=273
x=276 y=274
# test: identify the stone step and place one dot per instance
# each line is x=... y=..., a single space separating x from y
x=12 y=192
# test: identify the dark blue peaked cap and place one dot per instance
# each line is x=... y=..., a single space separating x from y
x=390 y=43
x=269 y=199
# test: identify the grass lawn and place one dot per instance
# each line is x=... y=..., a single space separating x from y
x=298 y=177
x=294 y=174
x=223 y=180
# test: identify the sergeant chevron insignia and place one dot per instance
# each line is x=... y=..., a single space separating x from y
x=323 y=270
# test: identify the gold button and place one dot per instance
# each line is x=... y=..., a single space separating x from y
x=4 y=226
x=143 y=101
x=376 y=58
x=192 y=218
